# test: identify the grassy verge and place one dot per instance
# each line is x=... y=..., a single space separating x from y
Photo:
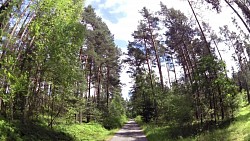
x=34 y=132
x=88 y=132
x=238 y=130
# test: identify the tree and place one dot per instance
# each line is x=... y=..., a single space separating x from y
x=150 y=25
x=36 y=82
x=102 y=63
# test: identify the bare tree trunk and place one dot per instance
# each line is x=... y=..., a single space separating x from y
x=0 y=105
x=203 y=35
x=189 y=64
x=20 y=47
x=243 y=8
x=153 y=44
x=215 y=108
x=99 y=85
x=148 y=64
x=16 y=25
x=225 y=70
x=235 y=11
x=168 y=70
x=107 y=87
x=221 y=103
x=172 y=59
x=89 y=90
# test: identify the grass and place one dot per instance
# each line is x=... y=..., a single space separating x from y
x=16 y=131
x=88 y=132
x=237 y=130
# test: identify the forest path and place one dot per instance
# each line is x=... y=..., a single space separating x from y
x=130 y=132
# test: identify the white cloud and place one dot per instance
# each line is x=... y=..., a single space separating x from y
x=126 y=25
x=112 y=3
x=88 y=2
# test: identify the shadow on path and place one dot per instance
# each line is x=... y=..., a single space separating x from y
x=130 y=132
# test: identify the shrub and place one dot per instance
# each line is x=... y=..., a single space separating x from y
x=7 y=132
x=116 y=116
x=138 y=119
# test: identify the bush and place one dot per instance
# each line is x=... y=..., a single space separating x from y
x=178 y=109
x=7 y=132
x=138 y=119
x=116 y=116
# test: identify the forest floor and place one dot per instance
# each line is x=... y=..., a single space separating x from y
x=130 y=132
x=236 y=130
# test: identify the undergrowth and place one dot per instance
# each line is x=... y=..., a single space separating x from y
x=15 y=131
x=237 y=129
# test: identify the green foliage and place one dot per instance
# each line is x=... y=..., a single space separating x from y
x=228 y=131
x=42 y=66
x=138 y=119
x=8 y=132
x=46 y=73
x=177 y=107
x=67 y=132
x=90 y=131
x=239 y=129
x=204 y=98
x=144 y=99
x=116 y=116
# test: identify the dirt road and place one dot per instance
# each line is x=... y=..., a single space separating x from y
x=130 y=132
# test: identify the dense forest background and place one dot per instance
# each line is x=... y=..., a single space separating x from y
x=59 y=66
x=205 y=94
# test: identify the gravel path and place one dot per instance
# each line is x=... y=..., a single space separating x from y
x=130 y=132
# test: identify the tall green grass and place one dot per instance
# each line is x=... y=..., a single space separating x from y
x=88 y=132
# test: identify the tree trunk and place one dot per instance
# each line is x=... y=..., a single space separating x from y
x=243 y=8
x=188 y=62
x=20 y=46
x=148 y=64
x=1 y=107
x=89 y=90
x=203 y=35
x=16 y=25
x=107 y=87
x=99 y=85
x=224 y=67
x=235 y=11
x=153 y=44
x=168 y=71
x=175 y=77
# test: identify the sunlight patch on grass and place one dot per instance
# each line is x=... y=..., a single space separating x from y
x=89 y=131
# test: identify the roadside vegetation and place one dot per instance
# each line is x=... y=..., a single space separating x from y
x=59 y=72
x=183 y=89
x=64 y=132
x=231 y=130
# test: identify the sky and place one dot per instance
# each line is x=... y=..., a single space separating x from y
x=122 y=18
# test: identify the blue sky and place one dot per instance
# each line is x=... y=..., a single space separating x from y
x=122 y=16
x=107 y=11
